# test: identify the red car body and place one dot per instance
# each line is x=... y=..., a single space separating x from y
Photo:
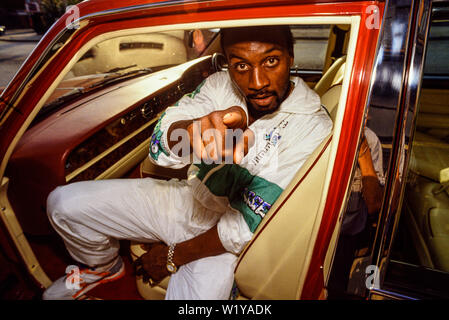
x=57 y=47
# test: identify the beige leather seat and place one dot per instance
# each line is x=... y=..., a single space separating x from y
x=273 y=264
x=334 y=75
x=330 y=99
x=329 y=86
x=433 y=117
x=427 y=196
x=427 y=201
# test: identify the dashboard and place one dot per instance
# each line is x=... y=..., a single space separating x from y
x=102 y=135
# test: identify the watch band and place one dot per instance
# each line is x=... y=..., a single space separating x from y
x=171 y=267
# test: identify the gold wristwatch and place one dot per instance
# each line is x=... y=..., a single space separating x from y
x=171 y=267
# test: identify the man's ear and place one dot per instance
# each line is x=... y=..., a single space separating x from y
x=292 y=60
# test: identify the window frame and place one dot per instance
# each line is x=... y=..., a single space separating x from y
x=400 y=280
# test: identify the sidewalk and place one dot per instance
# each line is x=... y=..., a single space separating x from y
x=21 y=35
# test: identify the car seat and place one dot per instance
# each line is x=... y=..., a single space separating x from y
x=427 y=200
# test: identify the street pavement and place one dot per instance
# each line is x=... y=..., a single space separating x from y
x=15 y=46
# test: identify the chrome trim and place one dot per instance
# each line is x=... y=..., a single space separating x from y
x=311 y=72
x=383 y=97
x=413 y=90
x=386 y=91
x=411 y=52
x=66 y=34
x=381 y=79
x=380 y=91
x=389 y=294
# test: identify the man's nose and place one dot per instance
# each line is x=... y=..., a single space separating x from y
x=258 y=80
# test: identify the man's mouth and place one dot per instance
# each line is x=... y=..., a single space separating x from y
x=262 y=100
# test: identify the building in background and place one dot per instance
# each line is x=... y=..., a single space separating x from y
x=13 y=15
x=36 y=14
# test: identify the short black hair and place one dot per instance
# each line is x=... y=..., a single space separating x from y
x=261 y=33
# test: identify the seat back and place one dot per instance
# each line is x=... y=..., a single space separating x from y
x=331 y=97
x=331 y=77
x=273 y=264
x=330 y=100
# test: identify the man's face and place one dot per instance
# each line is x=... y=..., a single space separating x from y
x=261 y=70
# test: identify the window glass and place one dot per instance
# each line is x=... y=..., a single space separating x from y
x=438 y=49
x=310 y=46
x=419 y=257
x=127 y=56
x=157 y=50
x=423 y=236
x=150 y=52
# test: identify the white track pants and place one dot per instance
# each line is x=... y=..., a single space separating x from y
x=91 y=217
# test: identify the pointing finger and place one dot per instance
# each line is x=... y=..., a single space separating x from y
x=233 y=119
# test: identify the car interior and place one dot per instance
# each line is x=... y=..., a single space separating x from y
x=97 y=122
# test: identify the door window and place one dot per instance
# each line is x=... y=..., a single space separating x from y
x=419 y=261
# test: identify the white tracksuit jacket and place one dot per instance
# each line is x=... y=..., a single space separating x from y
x=239 y=196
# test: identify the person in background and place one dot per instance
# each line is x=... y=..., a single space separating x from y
x=363 y=205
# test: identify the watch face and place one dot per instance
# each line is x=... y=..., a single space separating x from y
x=171 y=268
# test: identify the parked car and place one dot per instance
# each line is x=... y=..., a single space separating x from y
x=2 y=30
x=85 y=102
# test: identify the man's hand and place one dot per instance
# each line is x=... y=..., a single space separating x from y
x=218 y=136
x=152 y=265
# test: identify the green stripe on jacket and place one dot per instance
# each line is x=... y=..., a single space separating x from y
x=252 y=195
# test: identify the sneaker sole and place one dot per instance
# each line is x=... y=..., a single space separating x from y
x=110 y=278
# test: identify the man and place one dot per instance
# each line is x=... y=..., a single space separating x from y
x=197 y=227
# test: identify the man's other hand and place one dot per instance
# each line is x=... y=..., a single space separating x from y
x=152 y=265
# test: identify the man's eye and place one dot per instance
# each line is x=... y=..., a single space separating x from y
x=241 y=67
x=272 y=61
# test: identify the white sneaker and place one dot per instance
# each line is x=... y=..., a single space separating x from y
x=76 y=283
